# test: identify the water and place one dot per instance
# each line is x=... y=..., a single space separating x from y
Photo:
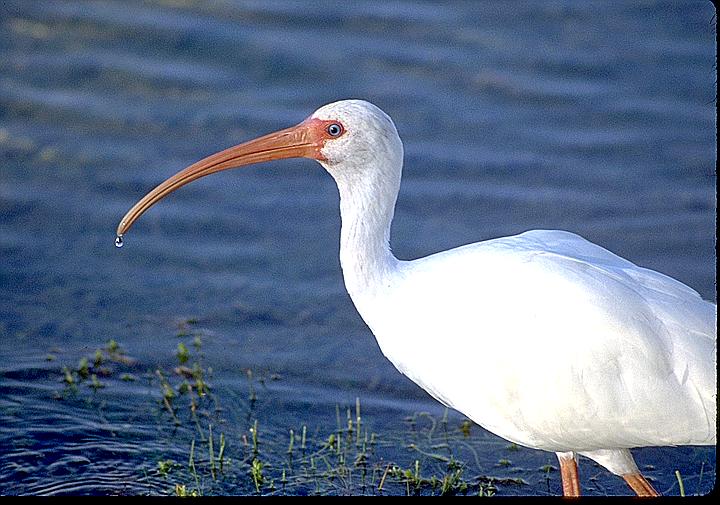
x=594 y=118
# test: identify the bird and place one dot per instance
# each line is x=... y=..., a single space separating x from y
x=543 y=338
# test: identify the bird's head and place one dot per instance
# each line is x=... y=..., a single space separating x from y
x=345 y=137
x=364 y=134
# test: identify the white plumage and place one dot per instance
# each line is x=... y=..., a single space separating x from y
x=553 y=343
x=542 y=338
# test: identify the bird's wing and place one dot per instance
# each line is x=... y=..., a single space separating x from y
x=574 y=246
x=619 y=340
x=672 y=302
x=566 y=244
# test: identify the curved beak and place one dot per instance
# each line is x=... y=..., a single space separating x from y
x=301 y=141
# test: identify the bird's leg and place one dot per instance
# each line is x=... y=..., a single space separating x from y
x=569 y=473
x=639 y=484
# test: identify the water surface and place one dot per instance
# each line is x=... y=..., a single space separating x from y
x=591 y=117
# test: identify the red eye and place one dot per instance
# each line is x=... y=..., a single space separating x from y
x=334 y=129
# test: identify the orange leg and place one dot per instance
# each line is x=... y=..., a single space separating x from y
x=569 y=474
x=640 y=485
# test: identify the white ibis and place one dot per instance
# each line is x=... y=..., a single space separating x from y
x=543 y=338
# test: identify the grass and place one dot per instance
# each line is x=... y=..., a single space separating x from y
x=341 y=460
x=680 y=483
x=346 y=458
x=343 y=456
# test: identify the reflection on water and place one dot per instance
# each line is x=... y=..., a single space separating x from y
x=514 y=116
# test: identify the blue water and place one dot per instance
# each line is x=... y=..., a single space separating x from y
x=593 y=117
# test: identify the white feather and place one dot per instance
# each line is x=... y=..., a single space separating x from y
x=543 y=338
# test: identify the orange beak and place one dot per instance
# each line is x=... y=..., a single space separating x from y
x=302 y=141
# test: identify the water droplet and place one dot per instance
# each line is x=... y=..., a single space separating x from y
x=118 y=241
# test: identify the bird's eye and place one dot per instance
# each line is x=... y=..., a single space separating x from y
x=334 y=129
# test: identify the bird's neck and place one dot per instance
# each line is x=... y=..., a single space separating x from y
x=367 y=206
